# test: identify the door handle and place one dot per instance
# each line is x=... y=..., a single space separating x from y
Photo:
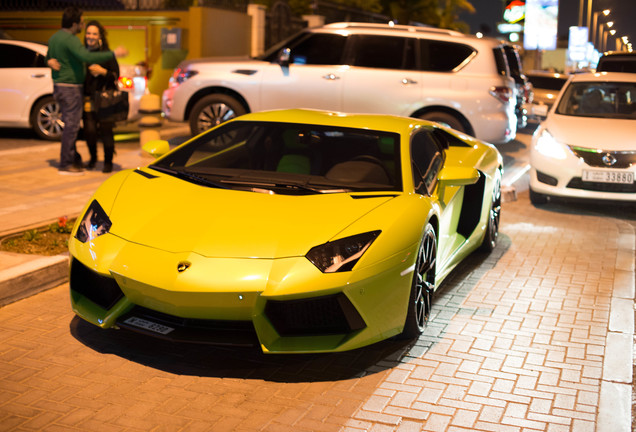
x=407 y=81
x=38 y=76
x=331 y=77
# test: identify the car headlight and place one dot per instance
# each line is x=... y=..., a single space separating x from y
x=341 y=255
x=548 y=146
x=94 y=223
x=180 y=76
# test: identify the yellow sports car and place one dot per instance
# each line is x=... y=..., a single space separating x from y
x=298 y=231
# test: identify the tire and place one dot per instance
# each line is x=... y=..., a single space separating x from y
x=423 y=286
x=46 y=119
x=537 y=198
x=444 y=119
x=213 y=110
x=492 y=229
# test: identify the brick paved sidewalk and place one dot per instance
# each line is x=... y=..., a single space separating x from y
x=521 y=340
x=524 y=341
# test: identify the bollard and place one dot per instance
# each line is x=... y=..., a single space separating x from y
x=150 y=122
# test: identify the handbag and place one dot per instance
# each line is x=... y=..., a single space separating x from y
x=111 y=105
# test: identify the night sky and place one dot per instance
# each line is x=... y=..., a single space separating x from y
x=623 y=14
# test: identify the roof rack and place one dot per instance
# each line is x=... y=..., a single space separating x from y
x=410 y=28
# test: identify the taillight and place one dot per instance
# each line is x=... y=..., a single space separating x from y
x=126 y=83
x=502 y=93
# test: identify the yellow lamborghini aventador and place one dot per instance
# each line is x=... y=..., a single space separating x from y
x=298 y=231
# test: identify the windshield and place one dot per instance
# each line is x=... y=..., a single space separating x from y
x=288 y=158
x=599 y=99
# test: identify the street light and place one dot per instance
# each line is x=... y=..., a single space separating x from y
x=605 y=12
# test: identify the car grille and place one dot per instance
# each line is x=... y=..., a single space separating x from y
x=193 y=330
x=578 y=183
x=624 y=159
x=101 y=290
x=326 y=315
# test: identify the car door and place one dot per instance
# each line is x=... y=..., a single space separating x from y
x=313 y=77
x=383 y=77
x=427 y=158
x=24 y=77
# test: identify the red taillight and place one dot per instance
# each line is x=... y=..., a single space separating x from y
x=126 y=83
x=503 y=93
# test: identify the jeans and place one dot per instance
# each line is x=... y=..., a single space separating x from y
x=70 y=100
x=95 y=130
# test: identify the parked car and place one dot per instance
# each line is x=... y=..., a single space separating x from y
x=525 y=92
x=546 y=87
x=617 y=61
x=585 y=148
x=458 y=80
x=335 y=232
x=27 y=89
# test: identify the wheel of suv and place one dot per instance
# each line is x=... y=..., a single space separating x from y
x=46 y=119
x=445 y=119
x=213 y=110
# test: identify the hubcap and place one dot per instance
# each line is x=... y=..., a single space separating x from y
x=214 y=115
x=50 y=120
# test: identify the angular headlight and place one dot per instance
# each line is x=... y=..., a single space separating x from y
x=341 y=255
x=548 y=146
x=94 y=223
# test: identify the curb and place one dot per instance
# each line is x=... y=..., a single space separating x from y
x=32 y=277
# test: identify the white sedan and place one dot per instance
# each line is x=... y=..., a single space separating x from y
x=586 y=148
x=27 y=89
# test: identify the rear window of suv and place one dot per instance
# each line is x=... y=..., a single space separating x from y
x=440 y=56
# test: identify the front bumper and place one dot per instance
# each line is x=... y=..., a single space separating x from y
x=284 y=305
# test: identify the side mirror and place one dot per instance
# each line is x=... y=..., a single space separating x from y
x=156 y=148
x=284 y=56
x=456 y=176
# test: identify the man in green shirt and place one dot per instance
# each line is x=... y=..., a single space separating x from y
x=68 y=82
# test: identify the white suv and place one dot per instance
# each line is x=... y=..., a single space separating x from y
x=439 y=75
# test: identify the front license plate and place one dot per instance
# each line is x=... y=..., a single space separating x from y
x=608 y=176
x=148 y=325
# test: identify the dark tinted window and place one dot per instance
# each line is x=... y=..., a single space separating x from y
x=514 y=62
x=439 y=56
x=546 y=82
x=384 y=52
x=618 y=63
x=318 y=49
x=500 y=60
x=427 y=158
x=13 y=56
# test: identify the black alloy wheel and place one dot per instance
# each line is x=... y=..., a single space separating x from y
x=492 y=229
x=423 y=286
x=213 y=110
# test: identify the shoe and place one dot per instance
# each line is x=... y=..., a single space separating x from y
x=90 y=165
x=70 y=170
x=108 y=167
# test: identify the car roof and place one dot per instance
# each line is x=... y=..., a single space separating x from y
x=412 y=31
x=35 y=46
x=380 y=122
x=604 y=77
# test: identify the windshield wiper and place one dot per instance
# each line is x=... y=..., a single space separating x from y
x=191 y=177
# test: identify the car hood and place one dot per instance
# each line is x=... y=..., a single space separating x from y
x=590 y=132
x=173 y=215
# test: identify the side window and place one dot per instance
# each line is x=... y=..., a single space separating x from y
x=500 y=60
x=13 y=56
x=427 y=157
x=440 y=56
x=383 y=52
x=319 y=49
